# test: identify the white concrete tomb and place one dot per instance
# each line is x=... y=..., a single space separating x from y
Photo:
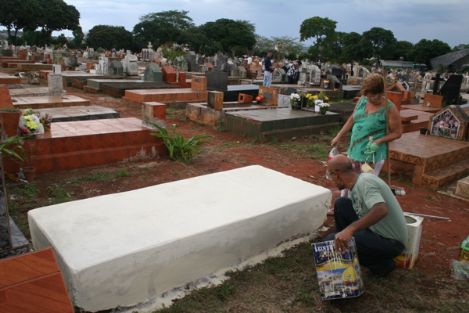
x=129 y=248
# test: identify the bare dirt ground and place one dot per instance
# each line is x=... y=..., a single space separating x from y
x=286 y=284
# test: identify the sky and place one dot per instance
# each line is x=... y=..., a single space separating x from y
x=410 y=20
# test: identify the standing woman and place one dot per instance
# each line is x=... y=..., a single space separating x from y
x=374 y=123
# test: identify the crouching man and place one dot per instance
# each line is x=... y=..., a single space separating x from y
x=372 y=216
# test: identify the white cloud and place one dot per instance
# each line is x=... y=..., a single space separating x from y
x=409 y=20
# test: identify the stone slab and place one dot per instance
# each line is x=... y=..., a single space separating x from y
x=79 y=113
x=131 y=247
x=462 y=188
x=48 y=102
x=281 y=122
x=97 y=83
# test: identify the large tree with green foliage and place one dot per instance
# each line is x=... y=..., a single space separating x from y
x=379 y=43
x=425 y=50
x=108 y=37
x=403 y=49
x=322 y=31
x=56 y=15
x=16 y=15
x=318 y=28
x=162 y=28
x=229 y=36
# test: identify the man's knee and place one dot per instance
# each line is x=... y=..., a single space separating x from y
x=342 y=205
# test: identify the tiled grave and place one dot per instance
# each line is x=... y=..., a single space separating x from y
x=40 y=102
x=129 y=248
x=203 y=114
x=29 y=92
x=9 y=79
x=166 y=95
x=279 y=122
x=80 y=144
x=420 y=107
x=413 y=120
x=32 y=283
x=25 y=67
x=431 y=161
x=78 y=79
x=117 y=88
x=79 y=113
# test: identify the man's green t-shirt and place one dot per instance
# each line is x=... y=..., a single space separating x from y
x=369 y=190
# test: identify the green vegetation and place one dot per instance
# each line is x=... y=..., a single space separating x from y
x=289 y=284
x=101 y=177
x=12 y=147
x=58 y=194
x=179 y=148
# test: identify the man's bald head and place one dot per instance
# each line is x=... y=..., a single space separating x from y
x=340 y=163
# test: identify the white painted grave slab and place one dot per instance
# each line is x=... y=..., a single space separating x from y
x=129 y=248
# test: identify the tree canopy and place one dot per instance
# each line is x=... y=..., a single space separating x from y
x=108 y=37
x=425 y=50
x=28 y=15
x=229 y=36
x=379 y=43
x=162 y=27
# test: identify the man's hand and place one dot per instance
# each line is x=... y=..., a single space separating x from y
x=342 y=238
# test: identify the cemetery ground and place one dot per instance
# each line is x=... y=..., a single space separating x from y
x=282 y=284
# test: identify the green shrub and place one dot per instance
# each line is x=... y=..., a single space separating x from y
x=179 y=148
x=12 y=147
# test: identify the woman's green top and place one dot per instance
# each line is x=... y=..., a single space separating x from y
x=365 y=126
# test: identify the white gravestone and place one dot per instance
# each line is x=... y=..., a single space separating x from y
x=132 y=247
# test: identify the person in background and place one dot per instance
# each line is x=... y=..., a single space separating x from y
x=268 y=69
x=374 y=123
x=372 y=216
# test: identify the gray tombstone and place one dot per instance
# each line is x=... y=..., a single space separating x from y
x=116 y=68
x=55 y=81
x=217 y=80
x=153 y=73
x=192 y=65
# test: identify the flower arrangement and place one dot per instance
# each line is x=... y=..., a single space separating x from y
x=310 y=99
x=295 y=101
x=323 y=106
x=30 y=123
x=322 y=96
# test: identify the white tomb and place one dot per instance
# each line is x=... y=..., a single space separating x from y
x=130 y=248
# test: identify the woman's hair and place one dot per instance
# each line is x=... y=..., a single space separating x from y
x=374 y=84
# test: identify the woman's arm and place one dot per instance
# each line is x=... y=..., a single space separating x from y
x=395 y=126
x=345 y=129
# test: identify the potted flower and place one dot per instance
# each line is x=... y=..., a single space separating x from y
x=310 y=99
x=295 y=101
x=323 y=107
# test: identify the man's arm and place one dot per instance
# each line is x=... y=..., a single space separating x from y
x=377 y=212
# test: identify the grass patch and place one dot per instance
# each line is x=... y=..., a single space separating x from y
x=101 y=177
x=58 y=194
x=317 y=151
x=26 y=192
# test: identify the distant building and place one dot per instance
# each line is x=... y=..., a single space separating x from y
x=453 y=62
